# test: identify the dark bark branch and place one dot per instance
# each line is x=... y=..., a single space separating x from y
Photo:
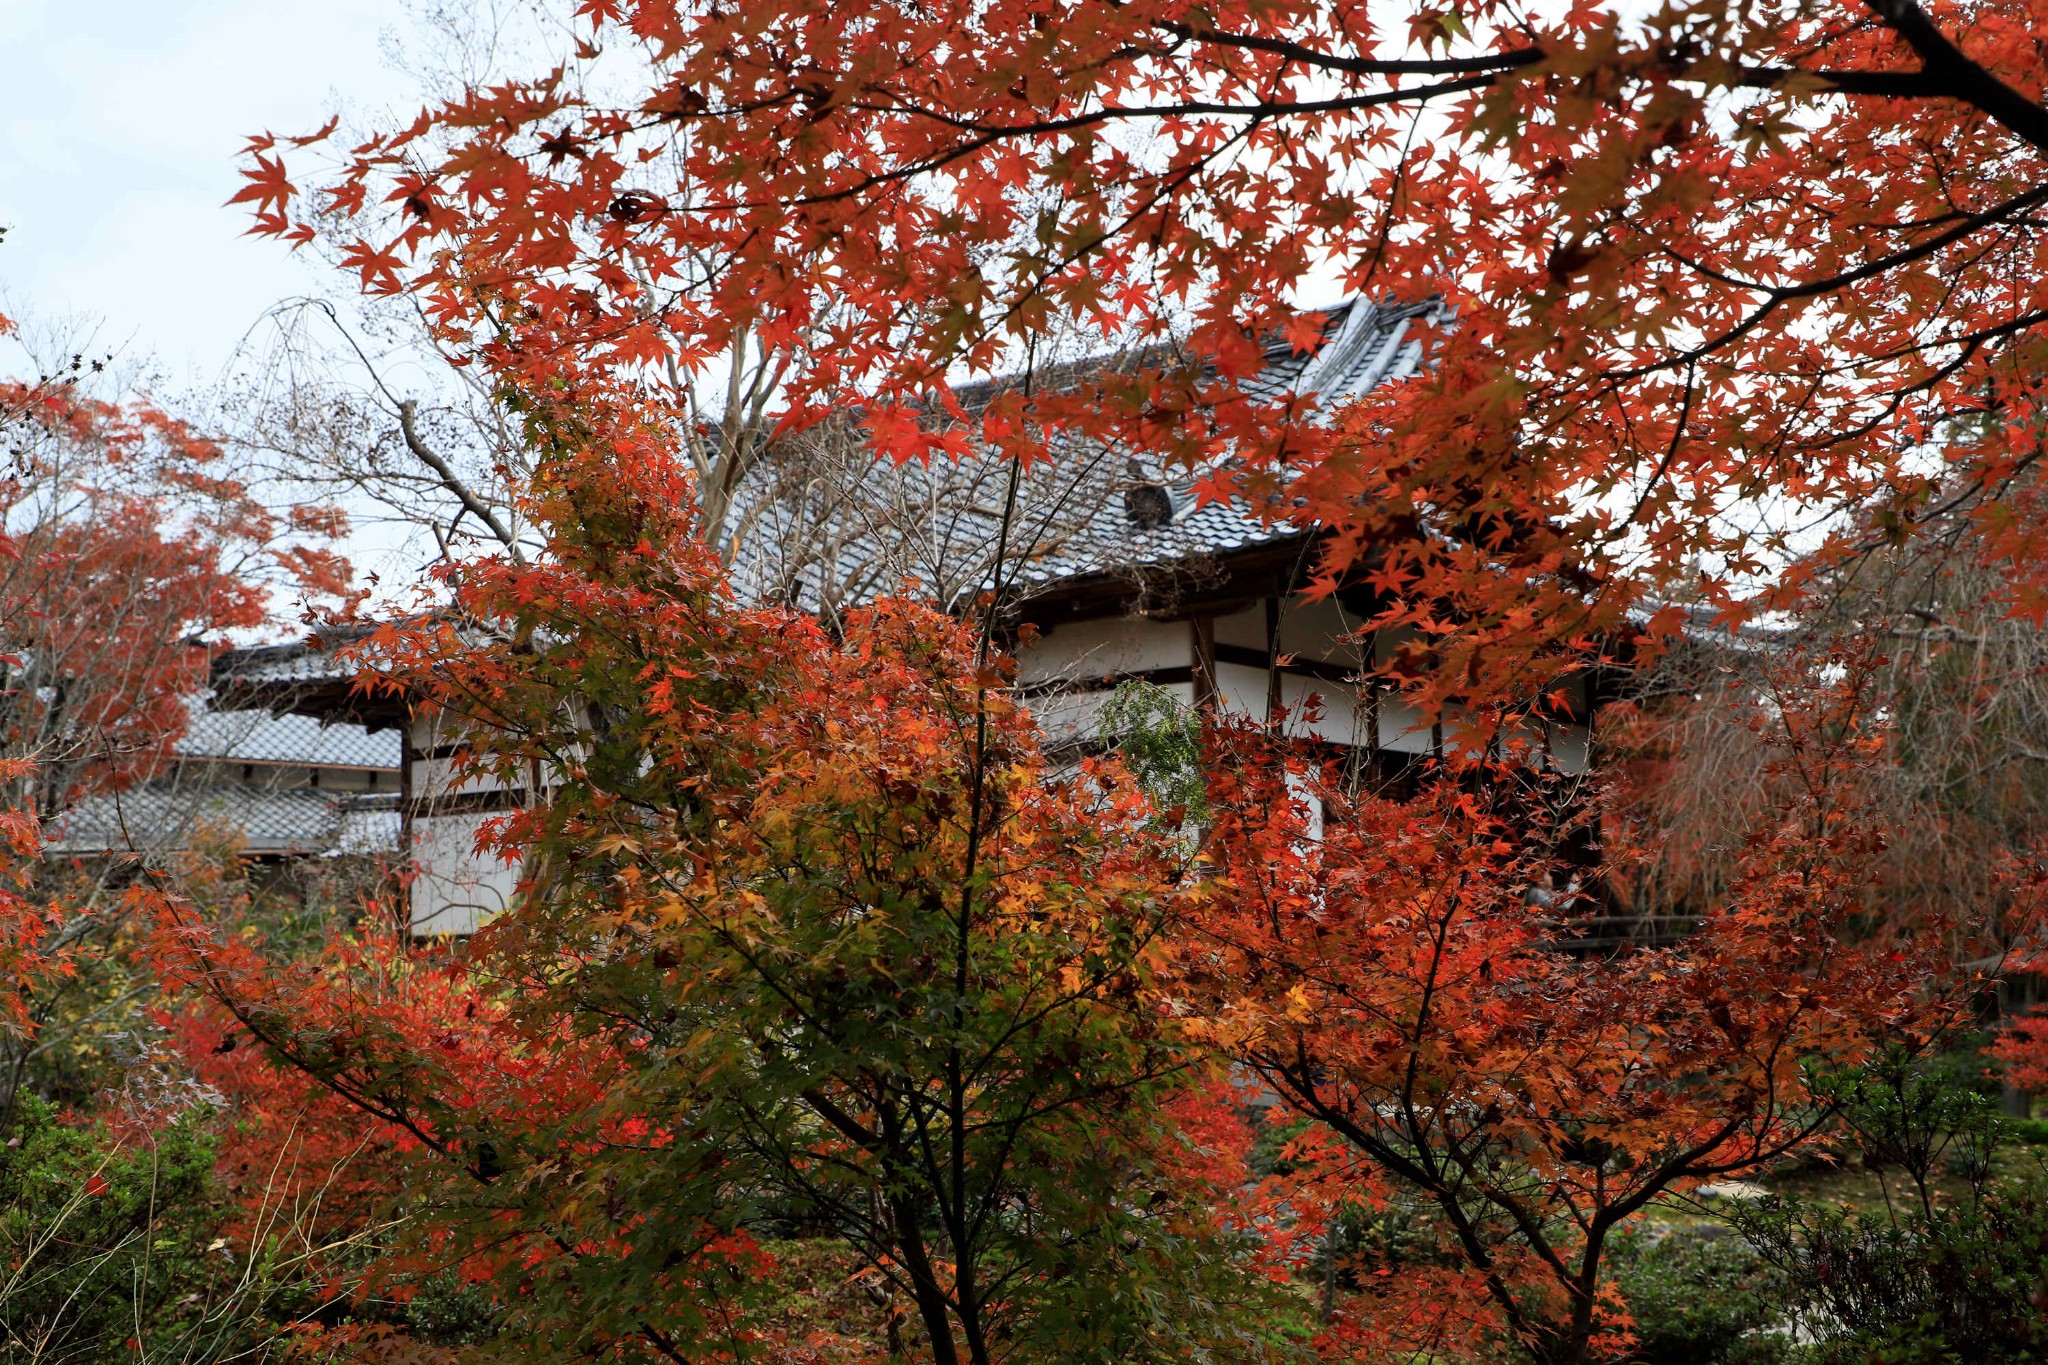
x=1356 y=66
x=453 y=482
x=1955 y=75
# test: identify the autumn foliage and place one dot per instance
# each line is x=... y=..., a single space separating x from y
x=814 y=940
x=1773 y=254
x=1411 y=981
x=128 y=552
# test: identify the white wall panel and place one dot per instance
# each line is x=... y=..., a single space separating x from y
x=1568 y=745
x=434 y=778
x=1342 y=718
x=1389 y=642
x=456 y=889
x=1319 y=630
x=1403 y=728
x=1241 y=691
x=1080 y=650
x=1064 y=717
x=1245 y=629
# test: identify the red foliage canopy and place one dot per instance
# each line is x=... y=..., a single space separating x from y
x=1711 y=271
x=1718 y=279
x=127 y=555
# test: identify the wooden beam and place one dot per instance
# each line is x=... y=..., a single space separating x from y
x=1104 y=682
x=1304 y=668
x=1202 y=659
x=1272 y=657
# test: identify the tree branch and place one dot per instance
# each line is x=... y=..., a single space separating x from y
x=453 y=482
x=1952 y=73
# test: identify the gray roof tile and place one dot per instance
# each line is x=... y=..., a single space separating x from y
x=935 y=523
x=159 y=817
x=260 y=737
x=1071 y=521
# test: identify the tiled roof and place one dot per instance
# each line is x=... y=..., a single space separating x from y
x=162 y=816
x=1071 y=521
x=1366 y=345
x=244 y=769
x=936 y=523
x=260 y=737
x=283 y=665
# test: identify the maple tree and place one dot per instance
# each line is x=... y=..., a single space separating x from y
x=787 y=888
x=1957 y=784
x=810 y=935
x=1405 y=976
x=1696 y=258
x=1723 y=283
x=127 y=551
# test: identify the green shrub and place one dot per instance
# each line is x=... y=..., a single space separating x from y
x=89 y=1235
x=1918 y=1114
x=446 y=1310
x=1699 y=1299
x=110 y=1249
x=1961 y=1282
x=1161 y=742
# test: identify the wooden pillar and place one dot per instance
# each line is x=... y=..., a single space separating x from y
x=407 y=752
x=1272 y=659
x=1202 y=660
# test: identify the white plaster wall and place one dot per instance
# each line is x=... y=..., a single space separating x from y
x=1568 y=748
x=1303 y=795
x=1319 y=630
x=1403 y=728
x=1080 y=650
x=1241 y=691
x=456 y=890
x=1342 y=719
x=434 y=778
x=1068 y=716
x=431 y=728
x=1246 y=629
x=1388 y=642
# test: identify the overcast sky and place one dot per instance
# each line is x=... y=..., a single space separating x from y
x=120 y=121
